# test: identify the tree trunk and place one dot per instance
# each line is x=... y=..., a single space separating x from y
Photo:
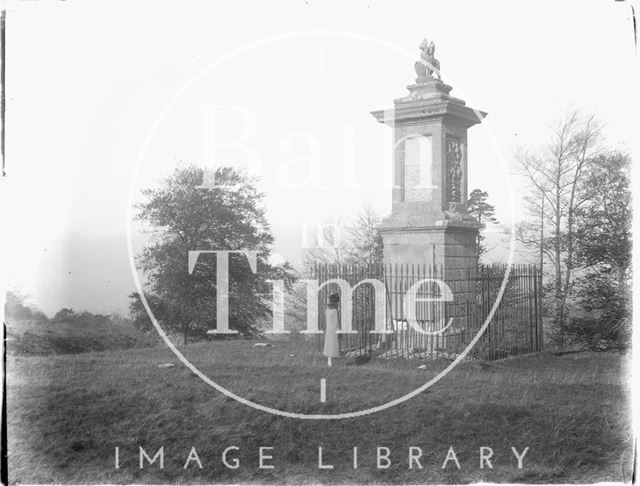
x=185 y=333
x=621 y=281
x=542 y=234
x=559 y=317
x=569 y=269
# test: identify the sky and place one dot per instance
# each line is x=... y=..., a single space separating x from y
x=105 y=98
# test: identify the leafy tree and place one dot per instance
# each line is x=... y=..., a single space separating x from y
x=139 y=316
x=483 y=212
x=603 y=252
x=183 y=217
x=603 y=321
x=603 y=222
x=65 y=315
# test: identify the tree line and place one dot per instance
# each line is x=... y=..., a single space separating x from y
x=577 y=227
x=578 y=208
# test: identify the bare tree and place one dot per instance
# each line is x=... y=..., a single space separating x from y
x=354 y=242
x=364 y=242
x=328 y=246
x=553 y=173
x=337 y=243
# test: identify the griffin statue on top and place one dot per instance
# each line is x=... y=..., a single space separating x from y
x=428 y=65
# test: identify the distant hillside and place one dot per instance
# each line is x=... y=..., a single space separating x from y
x=36 y=337
x=31 y=333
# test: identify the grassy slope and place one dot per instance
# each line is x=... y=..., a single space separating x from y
x=67 y=413
x=30 y=338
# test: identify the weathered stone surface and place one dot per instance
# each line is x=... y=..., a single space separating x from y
x=427 y=66
x=425 y=222
x=431 y=225
x=436 y=244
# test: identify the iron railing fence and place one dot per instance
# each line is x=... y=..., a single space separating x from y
x=428 y=325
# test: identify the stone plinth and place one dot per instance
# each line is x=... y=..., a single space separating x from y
x=429 y=113
x=451 y=244
x=429 y=221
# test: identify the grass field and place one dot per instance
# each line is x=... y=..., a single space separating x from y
x=67 y=413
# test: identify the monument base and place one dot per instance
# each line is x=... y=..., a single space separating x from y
x=450 y=248
x=447 y=243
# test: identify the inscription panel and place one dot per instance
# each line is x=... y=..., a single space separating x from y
x=418 y=168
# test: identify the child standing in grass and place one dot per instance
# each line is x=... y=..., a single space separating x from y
x=331 y=342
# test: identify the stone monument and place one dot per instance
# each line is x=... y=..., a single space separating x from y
x=429 y=221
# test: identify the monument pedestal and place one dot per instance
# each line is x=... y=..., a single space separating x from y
x=429 y=223
x=449 y=247
x=450 y=244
